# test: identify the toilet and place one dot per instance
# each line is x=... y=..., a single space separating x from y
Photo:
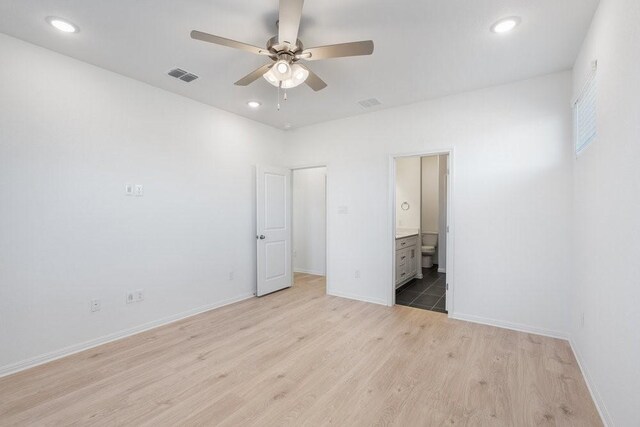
x=429 y=244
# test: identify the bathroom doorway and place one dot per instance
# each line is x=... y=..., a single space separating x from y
x=309 y=247
x=421 y=223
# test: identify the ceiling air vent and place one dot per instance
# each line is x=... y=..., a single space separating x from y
x=368 y=103
x=183 y=75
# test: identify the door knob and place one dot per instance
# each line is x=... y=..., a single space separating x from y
x=261 y=237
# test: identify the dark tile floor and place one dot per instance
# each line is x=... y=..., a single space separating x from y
x=427 y=293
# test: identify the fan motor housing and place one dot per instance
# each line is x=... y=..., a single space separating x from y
x=285 y=48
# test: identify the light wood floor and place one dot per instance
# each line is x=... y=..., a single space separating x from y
x=299 y=357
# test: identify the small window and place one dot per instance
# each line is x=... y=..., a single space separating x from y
x=584 y=111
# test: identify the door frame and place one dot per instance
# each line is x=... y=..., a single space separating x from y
x=391 y=297
x=326 y=218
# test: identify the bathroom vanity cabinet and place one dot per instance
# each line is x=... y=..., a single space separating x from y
x=407 y=256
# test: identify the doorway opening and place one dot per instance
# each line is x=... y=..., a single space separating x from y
x=309 y=191
x=421 y=231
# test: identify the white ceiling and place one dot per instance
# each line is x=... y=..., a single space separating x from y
x=423 y=48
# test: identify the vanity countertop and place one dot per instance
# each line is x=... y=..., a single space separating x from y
x=403 y=234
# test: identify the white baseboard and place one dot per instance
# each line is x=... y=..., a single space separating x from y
x=76 y=348
x=314 y=272
x=509 y=325
x=442 y=270
x=595 y=395
x=357 y=297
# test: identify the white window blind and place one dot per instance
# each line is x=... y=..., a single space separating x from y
x=585 y=117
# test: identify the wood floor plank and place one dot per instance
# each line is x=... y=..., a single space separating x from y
x=300 y=357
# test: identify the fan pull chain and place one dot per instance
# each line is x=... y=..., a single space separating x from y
x=279 y=84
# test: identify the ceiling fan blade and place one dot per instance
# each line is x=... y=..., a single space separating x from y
x=205 y=37
x=253 y=76
x=313 y=81
x=337 y=50
x=289 y=21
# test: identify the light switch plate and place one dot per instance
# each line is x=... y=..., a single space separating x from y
x=128 y=189
x=139 y=190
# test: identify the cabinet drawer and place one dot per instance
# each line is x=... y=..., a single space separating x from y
x=403 y=264
x=406 y=242
x=402 y=272
x=403 y=256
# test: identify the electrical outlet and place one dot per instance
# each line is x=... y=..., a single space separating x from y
x=128 y=189
x=95 y=305
x=357 y=274
x=139 y=190
x=130 y=297
x=139 y=294
x=231 y=275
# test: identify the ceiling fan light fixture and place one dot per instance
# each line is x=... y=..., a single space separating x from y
x=282 y=67
x=270 y=76
x=300 y=74
x=295 y=76
x=281 y=70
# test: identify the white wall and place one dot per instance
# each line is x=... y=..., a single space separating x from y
x=511 y=197
x=309 y=220
x=607 y=216
x=71 y=136
x=430 y=194
x=408 y=190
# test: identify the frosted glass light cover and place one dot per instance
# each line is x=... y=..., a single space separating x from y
x=298 y=76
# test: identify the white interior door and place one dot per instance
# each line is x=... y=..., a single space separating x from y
x=273 y=238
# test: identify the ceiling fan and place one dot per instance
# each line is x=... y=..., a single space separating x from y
x=286 y=50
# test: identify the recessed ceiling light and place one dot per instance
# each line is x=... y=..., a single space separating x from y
x=254 y=104
x=287 y=125
x=505 y=25
x=62 y=25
